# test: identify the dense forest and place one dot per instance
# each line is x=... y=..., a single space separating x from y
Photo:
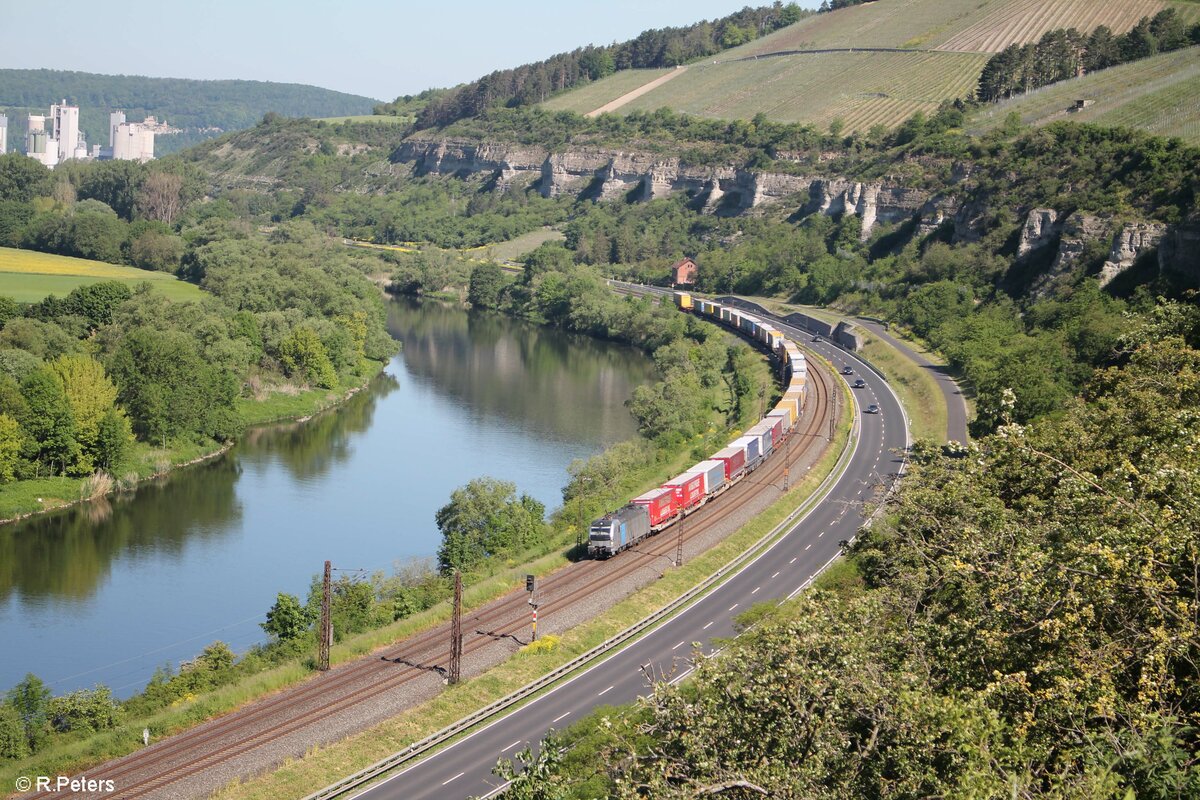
x=660 y=47
x=1065 y=53
x=201 y=109
x=82 y=376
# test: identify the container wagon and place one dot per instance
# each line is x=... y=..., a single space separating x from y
x=660 y=504
x=713 y=472
x=689 y=490
x=613 y=532
x=752 y=447
x=683 y=301
x=734 y=458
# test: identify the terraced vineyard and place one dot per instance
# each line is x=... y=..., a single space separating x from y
x=871 y=88
x=870 y=64
x=1159 y=94
x=1023 y=21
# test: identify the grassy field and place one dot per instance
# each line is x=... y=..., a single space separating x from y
x=1160 y=95
x=515 y=249
x=593 y=95
x=27 y=276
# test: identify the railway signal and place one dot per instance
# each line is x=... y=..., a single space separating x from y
x=531 y=587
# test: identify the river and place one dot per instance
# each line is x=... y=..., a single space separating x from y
x=106 y=591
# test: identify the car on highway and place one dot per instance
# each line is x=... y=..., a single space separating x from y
x=873 y=409
x=817 y=339
x=860 y=384
x=847 y=370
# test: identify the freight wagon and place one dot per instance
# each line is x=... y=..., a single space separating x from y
x=661 y=504
x=659 y=508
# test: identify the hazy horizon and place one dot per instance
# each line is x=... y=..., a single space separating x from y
x=382 y=51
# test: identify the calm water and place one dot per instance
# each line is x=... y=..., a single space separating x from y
x=105 y=592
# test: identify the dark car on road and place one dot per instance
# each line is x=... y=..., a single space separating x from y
x=860 y=384
x=847 y=370
x=872 y=409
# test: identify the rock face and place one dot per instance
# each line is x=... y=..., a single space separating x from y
x=1130 y=244
x=1076 y=232
x=603 y=174
x=1179 y=250
x=1038 y=232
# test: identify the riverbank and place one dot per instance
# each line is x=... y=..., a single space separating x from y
x=22 y=499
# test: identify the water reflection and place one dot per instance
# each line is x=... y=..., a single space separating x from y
x=568 y=386
x=68 y=553
x=309 y=449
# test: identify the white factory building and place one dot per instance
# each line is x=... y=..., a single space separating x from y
x=56 y=137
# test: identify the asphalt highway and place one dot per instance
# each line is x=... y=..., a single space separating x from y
x=463 y=769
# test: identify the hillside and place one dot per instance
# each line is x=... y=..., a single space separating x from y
x=1157 y=94
x=201 y=109
x=872 y=64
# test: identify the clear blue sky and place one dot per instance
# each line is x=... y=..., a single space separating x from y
x=370 y=47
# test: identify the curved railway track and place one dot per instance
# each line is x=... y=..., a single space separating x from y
x=239 y=732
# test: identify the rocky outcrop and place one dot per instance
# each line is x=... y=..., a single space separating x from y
x=605 y=174
x=1131 y=243
x=1179 y=250
x=1038 y=232
x=1075 y=233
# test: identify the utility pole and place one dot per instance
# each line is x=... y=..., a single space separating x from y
x=325 y=635
x=679 y=542
x=456 y=636
x=787 y=463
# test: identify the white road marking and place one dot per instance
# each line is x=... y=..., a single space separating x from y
x=511 y=746
x=776 y=575
x=793 y=561
x=756 y=588
x=676 y=647
x=456 y=777
x=707 y=626
x=819 y=535
x=807 y=546
x=732 y=607
x=601 y=694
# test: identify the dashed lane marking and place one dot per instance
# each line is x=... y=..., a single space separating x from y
x=706 y=627
x=511 y=746
x=793 y=561
x=564 y=716
x=456 y=777
x=676 y=647
x=601 y=694
x=732 y=607
x=807 y=546
x=756 y=588
x=776 y=575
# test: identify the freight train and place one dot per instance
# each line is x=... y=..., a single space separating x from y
x=649 y=513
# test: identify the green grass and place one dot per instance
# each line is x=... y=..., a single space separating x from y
x=324 y=765
x=515 y=249
x=598 y=93
x=28 y=276
x=914 y=385
x=1160 y=95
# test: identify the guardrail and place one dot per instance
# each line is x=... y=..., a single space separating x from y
x=437 y=739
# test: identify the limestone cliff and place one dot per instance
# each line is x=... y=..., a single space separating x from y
x=1131 y=243
x=605 y=174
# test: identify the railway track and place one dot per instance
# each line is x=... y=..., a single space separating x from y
x=187 y=754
